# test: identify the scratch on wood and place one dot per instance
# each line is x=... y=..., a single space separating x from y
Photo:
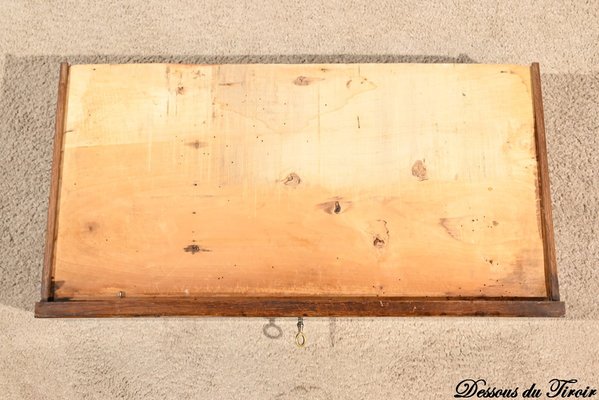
x=229 y=83
x=445 y=223
x=358 y=118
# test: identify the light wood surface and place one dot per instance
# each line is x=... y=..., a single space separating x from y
x=288 y=180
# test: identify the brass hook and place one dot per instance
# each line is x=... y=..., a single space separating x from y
x=300 y=338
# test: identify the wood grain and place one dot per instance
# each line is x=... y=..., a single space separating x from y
x=61 y=103
x=544 y=185
x=299 y=180
x=294 y=307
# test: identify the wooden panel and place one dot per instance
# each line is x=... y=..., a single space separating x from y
x=298 y=306
x=47 y=279
x=299 y=180
x=545 y=192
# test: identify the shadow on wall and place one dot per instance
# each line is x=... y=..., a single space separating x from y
x=27 y=106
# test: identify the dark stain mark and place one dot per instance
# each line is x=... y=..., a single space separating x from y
x=495 y=223
x=196 y=144
x=334 y=206
x=230 y=83
x=91 y=226
x=194 y=248
x=381 y=234
x=419 y=170
x=301 y=81
x=292 y=179
x=358 y=117
x=464 y=94
x=378 y=242
x=337 y=208
x=180 y=90
x=56 y=285
x=348 y=84
x=304 y=80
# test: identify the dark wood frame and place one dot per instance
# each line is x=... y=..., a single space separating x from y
x=549 y=306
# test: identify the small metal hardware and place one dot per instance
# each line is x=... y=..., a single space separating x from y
x=300 y=338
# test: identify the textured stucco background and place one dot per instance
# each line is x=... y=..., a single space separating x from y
x=345 y=358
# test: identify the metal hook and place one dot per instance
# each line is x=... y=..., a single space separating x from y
x=300 y=338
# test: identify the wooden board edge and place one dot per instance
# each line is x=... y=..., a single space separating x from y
x=61 y=103
x=551 y=279
x=296 y=307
